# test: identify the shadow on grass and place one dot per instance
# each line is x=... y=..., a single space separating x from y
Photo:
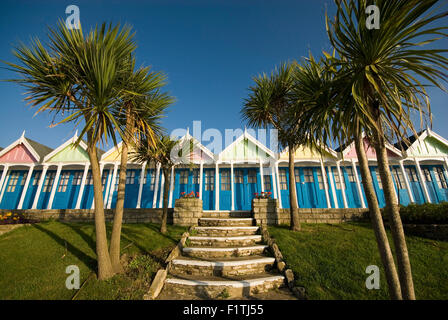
x=88 y=261
x=87 y=238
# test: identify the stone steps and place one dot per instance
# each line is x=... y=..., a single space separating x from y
x=213 y=288
x=227 y=214
x=213 y=252
x=223 y=257
x=225 y=222
x=224 y=267
x=226 y=231
x=238 y=241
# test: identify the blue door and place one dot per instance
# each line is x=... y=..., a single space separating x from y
x=414 y=182
x=148 y=188
x=400 y=186
x=14 y=184
x=353 y=200
x=298 y=176
x=208 y=194
x=46 y=190
x=251 y=178
x=283 y=179
x=32 y=189
x=67 y=190
x=181 y=183
x=132 y=188
x=338 y=185
x=225 y=193
x=239 y=189
x=441 y=183
x=378 y=186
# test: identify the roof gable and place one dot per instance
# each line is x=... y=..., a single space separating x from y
x=349 y=152
x=24 y=150
x=428 y=143
x=245 y=148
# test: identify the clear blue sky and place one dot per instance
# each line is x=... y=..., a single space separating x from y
x=209 y=49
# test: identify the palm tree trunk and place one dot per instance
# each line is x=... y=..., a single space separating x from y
x=118 y=217
x=166 y=189
x=393 y=211
x=377 y=222
x=105 y=269
x=294 y=209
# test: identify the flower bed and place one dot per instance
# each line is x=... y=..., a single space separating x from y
x=13 y=218
x=189 y=195
x=262 y=195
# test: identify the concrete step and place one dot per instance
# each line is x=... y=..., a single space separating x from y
x=208 y=222
x=234 y=266
x=213 y=252
x=226 y=231
x=227 y=214
x=240 y=241
x=214 y=287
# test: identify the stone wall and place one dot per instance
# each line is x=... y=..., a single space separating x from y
x=266 y=211
x=187 y=211
x=84 y=215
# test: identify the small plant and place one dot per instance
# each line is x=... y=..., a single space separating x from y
x=224 y=294
x=255 y=291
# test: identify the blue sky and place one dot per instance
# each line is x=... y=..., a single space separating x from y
x=209 y=49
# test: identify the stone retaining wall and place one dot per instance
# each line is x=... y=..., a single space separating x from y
x=266 y=211
x=84 y=215
x=187 y=211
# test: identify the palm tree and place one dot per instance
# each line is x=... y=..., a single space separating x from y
x=386 y=69
x=271 y=104
x=81 y=79
x=159 y=153
x=140 y=112
x=329 y=116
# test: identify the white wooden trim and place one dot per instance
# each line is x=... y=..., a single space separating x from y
x=422 y=181
x=232 y=185
x=108 y=183
x=3 y=179
x=333 y=189
x=201 y=171
x=72 y=140
x=162 y=182
x=406 y=180
x=170 y=201
x=112 y=186
x=358 y=184
x=278 y=187
x=217 y=186
x=101 y=179
x=273 y=182
x=21 y=140
x=81 y=188
x=261 y=176
x=39 y=187
x=25 y=187
x=55 y=185
x=140 y=187
x=156 y=187
x=324 y=180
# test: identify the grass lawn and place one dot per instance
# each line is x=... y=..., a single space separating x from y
x=330 y=261
x=33 y=260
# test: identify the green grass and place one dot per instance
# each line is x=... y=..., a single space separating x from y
x=33 y=260
x=330 y=261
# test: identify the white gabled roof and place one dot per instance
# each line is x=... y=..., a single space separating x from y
x=388 y=146
x=70 y=141
x=21 y=140
x=246 y=135
x=187 y=136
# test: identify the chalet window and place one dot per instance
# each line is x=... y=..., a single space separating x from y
x=130 y=177
x=48 y=182
x=427 y=174
x=297 y=175
x=153 y=181
x=13 y=178
x=282 y=179
x=308 y=175
x=252 y=176
x=239 y=178
x=89 y=180
x=195 y=176
x=398 y=177
x=36 y=178
x=65 y=176
x=209 y=180
x=337 y=180
x=351 y=176
x=412 y=174
x=77 y=178
x=378 y=178
x=183 y=177
x=320 y=180
x=441 y=179
x=25 y=175
x=267 y=183
x=225 y=180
